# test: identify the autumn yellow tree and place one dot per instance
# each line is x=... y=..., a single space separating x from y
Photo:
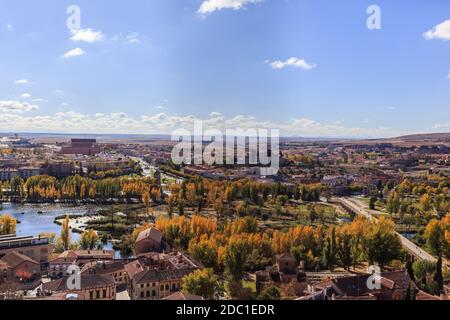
x=7 y=225
x=89 y=240
x=146 y=199
x=63 y=241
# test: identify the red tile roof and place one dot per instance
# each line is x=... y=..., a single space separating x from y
x=13 y=259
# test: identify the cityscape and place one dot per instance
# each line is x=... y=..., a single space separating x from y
x=180 y=164
x=140 y=227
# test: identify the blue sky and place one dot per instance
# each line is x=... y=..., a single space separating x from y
x=308 y=67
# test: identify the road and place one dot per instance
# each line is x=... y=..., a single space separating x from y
x=360 y=208
x=147 y=169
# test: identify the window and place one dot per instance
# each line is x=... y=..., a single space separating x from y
x=104 y=293
x=97 y=294
x=153 y=293
x=91 y=295
x=148 y=294
x=142 y=294
x=167 y=287
x=162 y=288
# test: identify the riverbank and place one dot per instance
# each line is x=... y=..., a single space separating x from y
x=78 y=223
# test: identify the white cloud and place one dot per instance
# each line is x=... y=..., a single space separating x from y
x=292 y=62
x=87 y=35
x=64 y=104
x=209 y=6
x=133 y=37
x=441 y=31
x=21 y=81
x=448 y=76
x=16 y=107
x=442 y=126
x=163 y=123
x=10 y=27
x=39 y=100
x=216 y=115
x=25 y=95
x=74 y=53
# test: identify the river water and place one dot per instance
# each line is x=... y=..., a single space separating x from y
x=37 y=218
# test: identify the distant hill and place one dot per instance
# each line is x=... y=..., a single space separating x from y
x=444 y=137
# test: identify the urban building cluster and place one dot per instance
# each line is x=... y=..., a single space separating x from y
x=29 y=264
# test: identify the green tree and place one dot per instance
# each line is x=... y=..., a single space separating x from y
x=271 y=293
x=438 y=245
x=435 y=237
x=381 y=243
x=234 y=260
x=202 y=283
x=330 y=250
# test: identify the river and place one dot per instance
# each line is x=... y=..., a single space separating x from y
x=37 y=218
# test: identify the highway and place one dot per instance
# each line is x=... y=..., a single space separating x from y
x=359 y=208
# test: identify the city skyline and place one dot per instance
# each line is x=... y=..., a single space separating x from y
x=309 y=68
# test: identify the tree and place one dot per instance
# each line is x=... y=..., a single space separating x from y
x=146 y=199
x=17 y=186
x=180 y=204
x=126 y=246
x=344 y=246
x=90 y=240
x=425 y=202
x=271 y=293
x=435 y=237
x=64 y=238
x=235 y=257
x=381 y=243
x=7 y=225
x=171 y=202
x=202 y=283
x=438 y=275
x=313 y=214
x=50 y=235
x=373 y=201
x=205 y=250
x=423 y=271
x=330 y=252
